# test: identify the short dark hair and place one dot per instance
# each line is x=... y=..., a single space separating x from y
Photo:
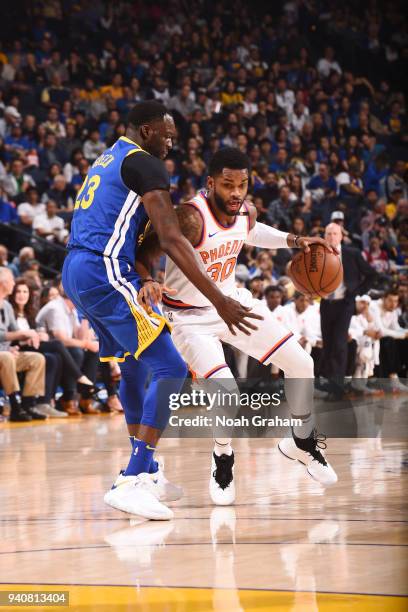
x=391 y=291
x=146 y=112
x=273 y=289
x=228 y=157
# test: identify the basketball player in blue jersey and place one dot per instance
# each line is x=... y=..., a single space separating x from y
x=126 y=190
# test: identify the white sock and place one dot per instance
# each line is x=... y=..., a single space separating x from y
x=222 y=446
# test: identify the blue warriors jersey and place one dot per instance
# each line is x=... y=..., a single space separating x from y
x=109 y=218
x=109 y=223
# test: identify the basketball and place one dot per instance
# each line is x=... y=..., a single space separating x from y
x=316 y=273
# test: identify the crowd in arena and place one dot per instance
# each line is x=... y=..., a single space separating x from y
x=312 y=92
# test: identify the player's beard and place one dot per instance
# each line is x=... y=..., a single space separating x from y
x=221 y=205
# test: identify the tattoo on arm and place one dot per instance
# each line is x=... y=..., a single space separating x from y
x=191 y=223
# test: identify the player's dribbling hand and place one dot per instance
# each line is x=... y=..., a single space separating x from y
x=304 y=243
x=235 y=315
x=151 y=294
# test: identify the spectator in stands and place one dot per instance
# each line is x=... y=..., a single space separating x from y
x=393 y=337
x=280 y=210
x=327 y=63
x=365 y=332
x=12 y=361
x=376 y=256
x=303 y=321
x=60 y=320
x=49 y=225
x=61 y=194
x=61 y=368
x=20 y=263
x=273 y=297
x=93 y=146
x=17 y=181
x=53 y=125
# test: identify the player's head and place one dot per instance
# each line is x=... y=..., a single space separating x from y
x=228 y=178
x=152 y=126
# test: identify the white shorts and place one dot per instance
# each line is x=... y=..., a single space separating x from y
x=198 y=332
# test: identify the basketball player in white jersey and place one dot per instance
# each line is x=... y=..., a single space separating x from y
x=218 y=222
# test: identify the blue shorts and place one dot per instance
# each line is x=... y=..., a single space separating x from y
x=104 y=291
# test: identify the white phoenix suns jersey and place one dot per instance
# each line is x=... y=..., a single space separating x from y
x=217 y=253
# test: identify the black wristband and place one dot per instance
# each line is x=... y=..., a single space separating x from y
x=296 y=242
x=149 y=279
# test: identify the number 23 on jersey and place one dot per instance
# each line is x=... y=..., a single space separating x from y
x=86 y=194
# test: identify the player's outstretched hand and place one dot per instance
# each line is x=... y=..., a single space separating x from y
x=304 y=243
x=236 y=315
x=151 y=294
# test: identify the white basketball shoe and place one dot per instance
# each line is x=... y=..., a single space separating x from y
x=309 y=451
x=222 y=484
x=138 y=495
x=167 y=490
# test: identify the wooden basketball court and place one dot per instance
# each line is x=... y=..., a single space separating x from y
x=287 y=544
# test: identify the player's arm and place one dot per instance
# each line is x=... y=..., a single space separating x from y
x=267 y=237
x=191 y=225
x=147 y=176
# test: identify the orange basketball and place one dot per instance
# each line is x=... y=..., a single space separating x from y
x=317 y=273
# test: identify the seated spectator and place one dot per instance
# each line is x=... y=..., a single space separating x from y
x=230 y=96
x=51 y=152
x=303 y=321
x=350 y=183
x=115 y=89
x=376 y=256
x=61 y=194
x=60 y=320
x=16 y=143
x=53 y=125
x=55 y=93
x=12 y=361
x=17 y=182
x=264 y=268
x=20 y=263
x=256 y=287
x=366 y=335
x=273 y=297
x=31 y=206
x=396 y=179
x=280 y=210
x=183 y=102
x=61 y=368
x=93 y=146
x=322 y=185
x=72 y=167
x=71 y=142
x=4 y=262
x=49 y=225
x=385 y=313
x=327 y=63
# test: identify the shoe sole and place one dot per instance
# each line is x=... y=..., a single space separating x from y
x=325 y=484
x=148 y=515
x=218 y=503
